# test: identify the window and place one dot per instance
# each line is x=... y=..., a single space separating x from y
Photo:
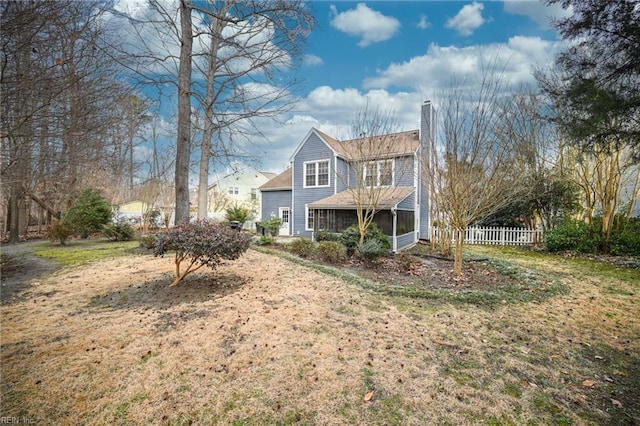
x=385 y=173
x=233 y=190
x=378 y=173
x=316 y=173
x=309 y=219
x=254 y=194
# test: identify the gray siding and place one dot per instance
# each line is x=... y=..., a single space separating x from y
x=342 y=175
x=406 y=240
x=404 y=172
x=273 y=200
x=408 y=203
x=312 y=149
x=427 y=134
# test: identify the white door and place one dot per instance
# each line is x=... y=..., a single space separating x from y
x=284 y=216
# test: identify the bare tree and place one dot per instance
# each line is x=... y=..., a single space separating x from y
x=58 y=83
x=251 y=50
x=379 y=159
x=472 y=170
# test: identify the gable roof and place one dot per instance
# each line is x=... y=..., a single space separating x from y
x=375 y=147
x=389 y=198
x=383 y=146
x=279 y=182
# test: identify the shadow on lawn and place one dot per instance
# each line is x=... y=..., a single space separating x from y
x=158 y=295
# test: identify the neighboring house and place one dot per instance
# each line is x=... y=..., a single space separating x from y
x=238 y=186
x=133 y=211
x=318 y=190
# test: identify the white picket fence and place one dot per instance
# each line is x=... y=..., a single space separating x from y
x=495 y=236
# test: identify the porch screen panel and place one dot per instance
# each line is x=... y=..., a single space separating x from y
x=406 y=221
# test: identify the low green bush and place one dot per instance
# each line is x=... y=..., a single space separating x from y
x=272 y=226
x=350 y=238
x=148 y=241
x=573 y=235
x=302 y=247
x=372 y=249
x=627 y=240
x=332 y=251
x=264 y=241
x=119 y=231
x=323 y=235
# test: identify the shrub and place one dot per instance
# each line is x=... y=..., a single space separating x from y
x=574 y=235
x=120 y=231
x=272 y=226
x=372 y=249
x=89 y=213
x=332 y=251
x=323 y=235
x=201 y=243
x=350 y=238
x=60 y=231
x=627 y=240
x=264 y=241
x=148 y=241
x=302 y=247
x=238 y=214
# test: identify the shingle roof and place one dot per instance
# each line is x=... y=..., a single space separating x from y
x=281 y=181
x=376 y=146
x=269 y=175
x=388 y=198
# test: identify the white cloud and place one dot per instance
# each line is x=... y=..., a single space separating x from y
x=370 y=25
x=539 y=12
x=312 y=60
x=468 y=19
x=432 y=71
x=424 y=23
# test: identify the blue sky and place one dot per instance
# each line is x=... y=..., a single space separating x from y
x=396 y=54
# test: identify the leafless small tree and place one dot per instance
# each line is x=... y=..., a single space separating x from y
x=379 y=159
x=471 y=169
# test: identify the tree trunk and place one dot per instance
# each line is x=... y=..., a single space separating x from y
x=205 y=150
x=183 y=145
x=457 y=256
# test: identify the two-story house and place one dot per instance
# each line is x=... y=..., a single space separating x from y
x=329 y=180
x=237 y=186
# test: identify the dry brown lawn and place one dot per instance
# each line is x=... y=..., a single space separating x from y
x=267 y=341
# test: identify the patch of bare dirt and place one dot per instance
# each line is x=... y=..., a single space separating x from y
x=430 y=272
x=19 y=267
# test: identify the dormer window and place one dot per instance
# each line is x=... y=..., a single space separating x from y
x=316 y=174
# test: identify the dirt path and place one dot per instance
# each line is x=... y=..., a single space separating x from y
x=21 y=267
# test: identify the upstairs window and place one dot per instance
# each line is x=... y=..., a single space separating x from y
x=378 y=173
x=233 y=190
x=316 y=173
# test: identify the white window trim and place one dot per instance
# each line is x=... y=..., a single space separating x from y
x=316 y=162
x=306 y=218
x=378 y=165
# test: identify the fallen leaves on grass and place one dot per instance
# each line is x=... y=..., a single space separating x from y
x=368 y=396
x=588 y=383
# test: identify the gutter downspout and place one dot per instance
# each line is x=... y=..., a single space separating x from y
x=395 y=229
